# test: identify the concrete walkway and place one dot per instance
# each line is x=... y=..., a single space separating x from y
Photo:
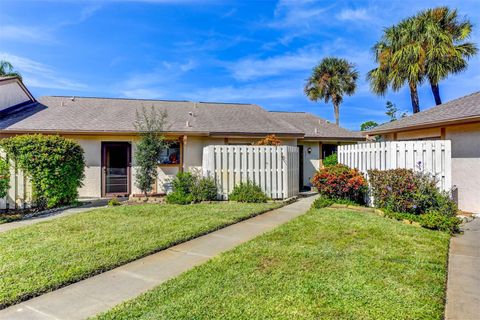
x=54 y=215
x=463 y=286
x=100 y=293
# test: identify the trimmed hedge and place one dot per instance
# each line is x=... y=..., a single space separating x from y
x=54 y=164
x=341 y=182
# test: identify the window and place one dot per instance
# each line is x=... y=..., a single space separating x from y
x=170 y=154
x=328 y=149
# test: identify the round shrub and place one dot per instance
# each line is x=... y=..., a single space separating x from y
x=322 y=203
x=247 y=192
x=340 y=182
x=188 y=188
x=54 y=164
x=4 y=177
x=330 y=160
x=404 y=190
x=205 y=189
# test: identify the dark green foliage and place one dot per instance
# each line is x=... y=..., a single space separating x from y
x=205 y=189
x=437 y=220
x=367 y=125
x=322 y=202
x=393 y=113
x=188 y=188
x=55 y=165
x=113 y=202
x=150 y=126
x=177 y=197
x=404 y=190
x=248 y=192
x=433 y=219
x=4 y=177
x=330 y=160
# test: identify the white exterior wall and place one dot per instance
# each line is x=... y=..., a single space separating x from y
x=466 y=164
x=311 y=161
x=11 y=94
x=465 y=159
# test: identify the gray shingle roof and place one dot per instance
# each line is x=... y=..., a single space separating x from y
x=456 y=110
x=81 y=114
x=315 y=127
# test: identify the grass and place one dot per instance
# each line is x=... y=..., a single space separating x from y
x=48 y=255
x=327 y=264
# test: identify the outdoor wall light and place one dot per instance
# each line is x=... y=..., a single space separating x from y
x=309 y=150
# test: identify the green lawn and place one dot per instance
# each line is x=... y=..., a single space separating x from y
x=327 y=264
x=45 y=256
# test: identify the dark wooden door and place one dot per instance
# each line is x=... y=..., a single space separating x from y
x=116 y=164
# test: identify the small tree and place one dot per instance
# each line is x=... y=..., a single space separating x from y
x=270 y=140
x=393 y=112
x=367 y=125
x=150 y=125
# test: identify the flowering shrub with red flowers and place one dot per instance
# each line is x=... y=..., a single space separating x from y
x=341 y=182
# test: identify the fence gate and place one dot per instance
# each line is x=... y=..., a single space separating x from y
x=19 y=194
x=432 y=156
x=274 y=169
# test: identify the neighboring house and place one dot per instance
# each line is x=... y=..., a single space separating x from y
x=104 y=127
x=458 y=121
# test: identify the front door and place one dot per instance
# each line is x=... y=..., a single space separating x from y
x=116 y=161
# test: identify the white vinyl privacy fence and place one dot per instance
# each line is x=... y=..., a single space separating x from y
x=432 y=156
x=274 y=169
x=19 y=195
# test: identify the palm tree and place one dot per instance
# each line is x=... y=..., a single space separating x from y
x=400 y=61
x=6 y=70
x=443 y=35
x=331 y=79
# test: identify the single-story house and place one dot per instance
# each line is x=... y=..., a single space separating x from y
x=458 y=121
x=104 y=127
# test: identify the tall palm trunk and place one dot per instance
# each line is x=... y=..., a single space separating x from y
x=436 y=92
x=414 y=97
x=336 y=109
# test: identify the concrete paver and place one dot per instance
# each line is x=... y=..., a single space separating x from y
x=463 y=286
x=102 y=292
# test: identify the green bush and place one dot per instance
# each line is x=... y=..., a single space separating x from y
x=4 y=177
x=330 y=160
x=188 y=188
x=113 y=202
x=404 y=190
x=55 y=165
x=322 y=203
x=433 y=219
x=437 y=220
x=177 y=197
x=247 y=192
x=205 y=189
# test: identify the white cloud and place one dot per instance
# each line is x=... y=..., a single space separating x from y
x=36 y=74
x=26 y=34
x=353 y=15
x=143 y=94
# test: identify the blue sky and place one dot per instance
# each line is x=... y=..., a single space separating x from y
x=232 y=51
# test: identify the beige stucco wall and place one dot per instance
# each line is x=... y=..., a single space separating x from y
x=465 y=159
